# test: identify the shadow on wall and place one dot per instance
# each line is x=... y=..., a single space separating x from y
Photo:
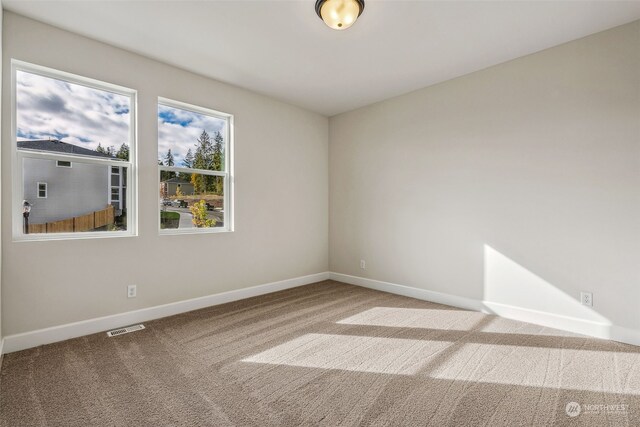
x=512 y=291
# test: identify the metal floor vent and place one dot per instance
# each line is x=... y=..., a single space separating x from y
x=125 y=330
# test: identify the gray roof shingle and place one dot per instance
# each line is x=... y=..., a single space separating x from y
x=177 y=180
x=57 y=146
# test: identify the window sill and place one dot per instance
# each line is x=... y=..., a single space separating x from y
x=71 y=236
x=177 y=232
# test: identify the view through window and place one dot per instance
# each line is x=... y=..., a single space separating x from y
x=194 y=163
x=73 y=142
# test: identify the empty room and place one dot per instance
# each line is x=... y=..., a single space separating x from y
x=319 y=213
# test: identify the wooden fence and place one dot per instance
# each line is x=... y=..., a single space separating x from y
x=86 y=222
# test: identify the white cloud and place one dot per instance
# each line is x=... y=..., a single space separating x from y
x=179 y=130
x=85 y=116
x=74 y=113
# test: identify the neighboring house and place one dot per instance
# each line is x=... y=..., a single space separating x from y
x=170 y=187
x=60 y=190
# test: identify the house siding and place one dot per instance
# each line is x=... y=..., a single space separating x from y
x=185 y=188
x=74 y=191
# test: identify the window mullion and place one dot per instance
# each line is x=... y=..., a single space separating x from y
x=190 y=170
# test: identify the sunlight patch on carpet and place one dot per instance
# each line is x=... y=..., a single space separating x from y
x=569 y=369
x=353 y=353
x=396 y=317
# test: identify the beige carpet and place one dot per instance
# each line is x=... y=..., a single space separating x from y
x=325 y=354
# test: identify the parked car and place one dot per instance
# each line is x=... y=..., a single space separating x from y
x=166 y=202
x=179 y=204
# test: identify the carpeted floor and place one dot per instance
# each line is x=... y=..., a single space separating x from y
x=325 y=354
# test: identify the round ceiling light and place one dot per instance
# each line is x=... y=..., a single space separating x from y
x=339 y=14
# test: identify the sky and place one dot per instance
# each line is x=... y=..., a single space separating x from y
x=83 y=116
x=179 y=130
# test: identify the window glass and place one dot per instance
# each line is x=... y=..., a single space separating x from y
x=191 y=139
x=194 y=180
x=73 y=142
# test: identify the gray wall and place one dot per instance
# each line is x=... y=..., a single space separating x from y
x=83 y=279
x=75 y=191
x=518 y=184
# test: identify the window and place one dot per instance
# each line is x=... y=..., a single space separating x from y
x=42 y=190
x=77 y=135
x=195 y=168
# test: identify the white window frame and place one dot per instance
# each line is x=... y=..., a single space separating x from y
x=227 y=173
x=46 y=190
x=18 y=156
x=65 y=167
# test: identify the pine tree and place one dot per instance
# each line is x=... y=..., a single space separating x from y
x=187 y=162
x=123 y=152
x=218 y=161
x=218 y=148
x=169 y=159
x=202 y=159
x=101 y=149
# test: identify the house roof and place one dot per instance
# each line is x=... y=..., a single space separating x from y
x=177 y=180
x=57 y=146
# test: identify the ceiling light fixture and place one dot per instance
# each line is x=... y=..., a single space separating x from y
x=339 y=14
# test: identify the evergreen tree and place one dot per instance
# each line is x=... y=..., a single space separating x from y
x=203 y=159
x=123 y=152
x=187 y=162
x=101 y=149
x=169 y=161
x=218 y=161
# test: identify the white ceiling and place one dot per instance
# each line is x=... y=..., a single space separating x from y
x=282 y=49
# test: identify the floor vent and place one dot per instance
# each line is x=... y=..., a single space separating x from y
x=125 y=330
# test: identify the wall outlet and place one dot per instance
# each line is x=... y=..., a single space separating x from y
x=586 y=298
x=363 y=264
x=131 y=291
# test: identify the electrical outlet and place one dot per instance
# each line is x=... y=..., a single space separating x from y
x=131 y=291
x=363 y=264
x=586 y=298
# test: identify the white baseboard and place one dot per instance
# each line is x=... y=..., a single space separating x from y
x=625 y=335
x=552 y=320
x=408 y=291
x=30 y=339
